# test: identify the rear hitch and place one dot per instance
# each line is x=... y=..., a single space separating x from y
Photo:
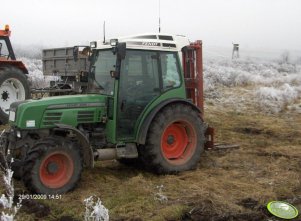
x=209 y=135
x=210 y=145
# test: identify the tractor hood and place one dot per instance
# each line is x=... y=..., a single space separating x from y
x=45 y=113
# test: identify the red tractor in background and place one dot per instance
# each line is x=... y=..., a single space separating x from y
x=13 y=76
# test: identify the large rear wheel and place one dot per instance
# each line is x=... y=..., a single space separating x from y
x=13 y=87
x=175 y=140
x=52 y=166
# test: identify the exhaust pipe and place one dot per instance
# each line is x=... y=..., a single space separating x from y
x=105 y=154
x=129 y=151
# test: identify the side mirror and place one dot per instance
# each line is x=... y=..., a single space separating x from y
x=121 y=50
x=75 y=53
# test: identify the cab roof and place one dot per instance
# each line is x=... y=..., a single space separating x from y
x=151 y=41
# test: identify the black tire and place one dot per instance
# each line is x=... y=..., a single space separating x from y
x=18 y=76
x=168 y=149
x=45 y=156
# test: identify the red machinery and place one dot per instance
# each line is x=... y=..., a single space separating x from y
x=13 y=81
x=193 y=75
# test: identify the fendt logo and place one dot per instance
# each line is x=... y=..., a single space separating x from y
x=150 y=43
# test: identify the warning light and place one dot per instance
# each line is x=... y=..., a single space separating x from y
x=6 y=28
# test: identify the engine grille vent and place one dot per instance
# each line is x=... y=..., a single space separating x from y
x=85 y=116
x=52 y=118
x=99 y=116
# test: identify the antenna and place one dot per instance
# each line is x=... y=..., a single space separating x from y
x=104 y=31
x=159 y=16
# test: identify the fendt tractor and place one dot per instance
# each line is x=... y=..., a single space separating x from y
x=13 y=81
x=144 y=103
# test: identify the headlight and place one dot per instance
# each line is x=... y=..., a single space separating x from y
x=12 y=115
x=93 y=44
x=18 y=133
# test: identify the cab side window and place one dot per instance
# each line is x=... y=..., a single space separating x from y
x=3 y=49
x=170 y=70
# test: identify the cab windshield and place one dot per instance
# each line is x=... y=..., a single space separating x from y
x=104 y=62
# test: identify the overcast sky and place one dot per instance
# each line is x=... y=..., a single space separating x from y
x=267 y=24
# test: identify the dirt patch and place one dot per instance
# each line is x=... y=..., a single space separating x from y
x=199 y=215
x=255 y=131
x=272 y=154
x=127 y=219
x=248 y=203
x=249 y=130
x=67 y=218
x=39 y=209
x=30 y=206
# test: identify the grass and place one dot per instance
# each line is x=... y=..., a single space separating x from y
x=266 y=167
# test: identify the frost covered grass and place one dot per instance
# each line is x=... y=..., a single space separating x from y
x=6 y=200
x=95 y=211
x=35 y=77
x=270 y=85
x=159 y=196
x=277 y=99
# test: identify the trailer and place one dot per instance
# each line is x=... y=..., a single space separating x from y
x=69 y=66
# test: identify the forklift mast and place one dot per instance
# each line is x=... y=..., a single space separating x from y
x=192 y=57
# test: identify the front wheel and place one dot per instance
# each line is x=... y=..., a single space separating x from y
x=175 y=140
x=52 y=166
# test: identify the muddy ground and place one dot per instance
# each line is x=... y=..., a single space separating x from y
x=233 y=184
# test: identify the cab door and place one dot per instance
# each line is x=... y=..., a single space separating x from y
x=139 y=84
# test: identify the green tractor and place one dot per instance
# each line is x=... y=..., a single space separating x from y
x=145 y=102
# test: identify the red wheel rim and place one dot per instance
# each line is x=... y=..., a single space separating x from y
x=56 y=169
x=178 y=142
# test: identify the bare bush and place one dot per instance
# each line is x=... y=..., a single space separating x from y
x=6 y=200
x=274 y=100
x=95 y=211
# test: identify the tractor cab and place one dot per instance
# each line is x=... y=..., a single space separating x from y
x=144 y=70
x=6 y=51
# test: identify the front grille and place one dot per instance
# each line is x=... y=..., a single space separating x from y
x=52 y=118
x=85 y=116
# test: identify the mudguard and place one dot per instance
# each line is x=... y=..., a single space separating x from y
x=141 y=137
x=84 y=147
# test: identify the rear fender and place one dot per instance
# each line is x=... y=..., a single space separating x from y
x=15 y=64
x=143 y=129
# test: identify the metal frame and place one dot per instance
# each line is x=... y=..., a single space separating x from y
x=194 y=81
x=5 y=36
